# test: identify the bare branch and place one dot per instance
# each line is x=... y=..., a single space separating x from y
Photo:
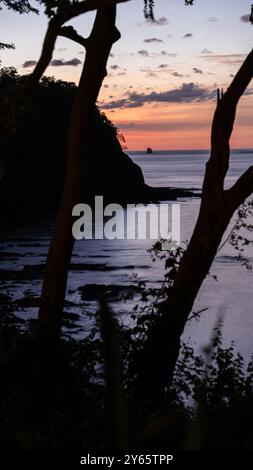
x=54 y=28
x=70 y=33
x=222 y=127
x=77 y=9
x=242 y=189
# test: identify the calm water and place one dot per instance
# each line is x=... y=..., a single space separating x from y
x=118 y=262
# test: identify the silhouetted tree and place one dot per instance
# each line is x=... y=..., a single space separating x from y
x=217 y=207
x=98 y=47
x=59 y=12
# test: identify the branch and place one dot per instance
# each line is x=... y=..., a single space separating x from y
x=77 y=9
x=242 y=189
x=222 y=127
x=70 y=33
x=46 y=54
x=54 y=29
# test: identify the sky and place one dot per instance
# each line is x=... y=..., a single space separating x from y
x=162 y=77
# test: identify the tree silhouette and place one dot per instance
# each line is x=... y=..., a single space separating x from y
x=218 y=205
x=98 y=47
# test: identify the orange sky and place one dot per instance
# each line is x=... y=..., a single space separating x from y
x=162 y=76
x=180 y=126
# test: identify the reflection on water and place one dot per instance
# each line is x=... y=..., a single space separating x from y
x=111 y=265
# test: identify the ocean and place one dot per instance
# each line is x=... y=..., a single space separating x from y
x=122 y=263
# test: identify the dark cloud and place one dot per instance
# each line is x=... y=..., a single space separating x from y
x=161 y=68
x=81 y=52
x=115 y=67
x=57 y=62
x=74 y=62
x=245 y=18
x=62 y=63
x=176 y=74
x=206 y=51
x=186 y=93
x=29 y=63
x=143 y=52
x=187 y=36
x=169 y=54
x=111 y=55
x=196 y=70
x=61 y=49
x=150 y=40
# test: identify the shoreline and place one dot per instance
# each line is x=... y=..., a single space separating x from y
x=149 y=195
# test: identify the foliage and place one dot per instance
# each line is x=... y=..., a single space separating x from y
x=19 y=6
x=3 y=45
x=210 y=403
x=33 y=144
x=240 y=236
x=149 y=8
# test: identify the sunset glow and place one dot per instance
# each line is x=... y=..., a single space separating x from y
x=162 y=76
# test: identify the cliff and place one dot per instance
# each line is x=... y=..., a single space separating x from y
x=34 y=158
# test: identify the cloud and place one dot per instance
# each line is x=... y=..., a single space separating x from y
x=150 y=73
x=169 y=54
x=160 y=69
x=196 y=70
x=212 y=19
x=176 y=74
x=61 y=49
x=245 y=18
x=186 y=93
x=74 y=62
x=177 y=124
x=143 y=52
x=150 y=40
x=115 y=67
x=187 y=36
x=81 y=52
x=62 y=63
x=206 y=51
x=29 y=63
x=226 y=59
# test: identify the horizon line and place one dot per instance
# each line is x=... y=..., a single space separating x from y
x=236 y=149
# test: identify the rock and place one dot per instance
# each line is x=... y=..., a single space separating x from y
x=91 y=292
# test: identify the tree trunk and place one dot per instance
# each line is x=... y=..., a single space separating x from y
x=161 y=351
x=55 y=29
x=98 y=47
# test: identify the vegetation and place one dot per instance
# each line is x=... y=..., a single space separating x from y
x=208 y=406
x=32 y=175
x=18 y=6
x=120 y=386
